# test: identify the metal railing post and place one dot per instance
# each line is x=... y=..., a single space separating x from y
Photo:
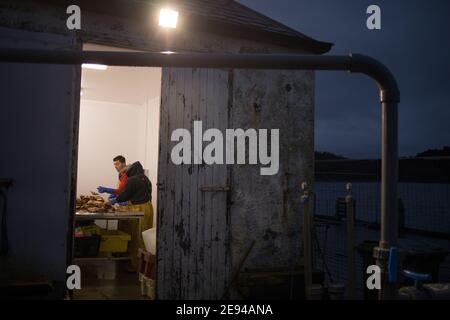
x=307 y=242
x=351 y=267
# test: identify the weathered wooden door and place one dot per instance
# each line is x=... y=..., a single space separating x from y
x=39 y=124
x=192 y=215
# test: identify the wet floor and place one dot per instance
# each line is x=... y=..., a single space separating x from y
x=108 y=280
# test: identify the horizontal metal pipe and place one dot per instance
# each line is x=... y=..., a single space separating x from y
x=353 y=63
x=188 y=60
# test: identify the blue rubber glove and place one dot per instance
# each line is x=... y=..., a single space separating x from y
x=112 y=200
x=105 y=190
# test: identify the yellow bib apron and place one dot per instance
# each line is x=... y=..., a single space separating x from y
x=146 y=222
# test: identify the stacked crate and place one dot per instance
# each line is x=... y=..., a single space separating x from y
x=147 y=273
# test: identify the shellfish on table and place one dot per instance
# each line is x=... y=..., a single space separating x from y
x=94 y=204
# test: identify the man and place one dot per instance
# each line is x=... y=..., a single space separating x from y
x=138 y=188
x=137 y=192
x=121 y=166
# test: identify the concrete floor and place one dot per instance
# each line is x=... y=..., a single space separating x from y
x=125 y=286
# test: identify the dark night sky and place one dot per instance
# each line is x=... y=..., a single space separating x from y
x=414 y=43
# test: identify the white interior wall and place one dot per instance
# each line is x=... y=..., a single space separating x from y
x=151 y=153
x=106 y=130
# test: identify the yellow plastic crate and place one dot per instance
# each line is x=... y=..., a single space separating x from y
x=114 y=241
x=92 y=229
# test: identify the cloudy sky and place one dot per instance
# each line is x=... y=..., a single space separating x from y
x=414 y=43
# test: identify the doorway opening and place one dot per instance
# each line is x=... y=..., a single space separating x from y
x=119 y=115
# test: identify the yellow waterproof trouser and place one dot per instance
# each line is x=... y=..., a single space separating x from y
x=146 y=222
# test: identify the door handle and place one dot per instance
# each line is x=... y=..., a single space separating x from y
x=160 y=186
x=224 y=188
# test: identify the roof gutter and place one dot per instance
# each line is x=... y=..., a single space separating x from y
x=389 y=98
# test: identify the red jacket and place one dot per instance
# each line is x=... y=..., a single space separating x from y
x=122 y=180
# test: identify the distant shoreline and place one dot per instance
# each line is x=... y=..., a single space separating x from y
x=421 y=170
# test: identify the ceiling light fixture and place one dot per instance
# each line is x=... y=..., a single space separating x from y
x=94 y=66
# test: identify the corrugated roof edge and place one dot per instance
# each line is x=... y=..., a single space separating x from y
x=291 y=38
x=319 y=47
x=237 y=31
x=137 y=9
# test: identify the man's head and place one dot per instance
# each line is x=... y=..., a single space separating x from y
x=119 y=163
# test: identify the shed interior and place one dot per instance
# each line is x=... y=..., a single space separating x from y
x=119 y=115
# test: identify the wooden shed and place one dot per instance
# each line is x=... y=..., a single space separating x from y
x=207 y=215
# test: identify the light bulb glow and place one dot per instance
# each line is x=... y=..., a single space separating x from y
x=168 y=18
